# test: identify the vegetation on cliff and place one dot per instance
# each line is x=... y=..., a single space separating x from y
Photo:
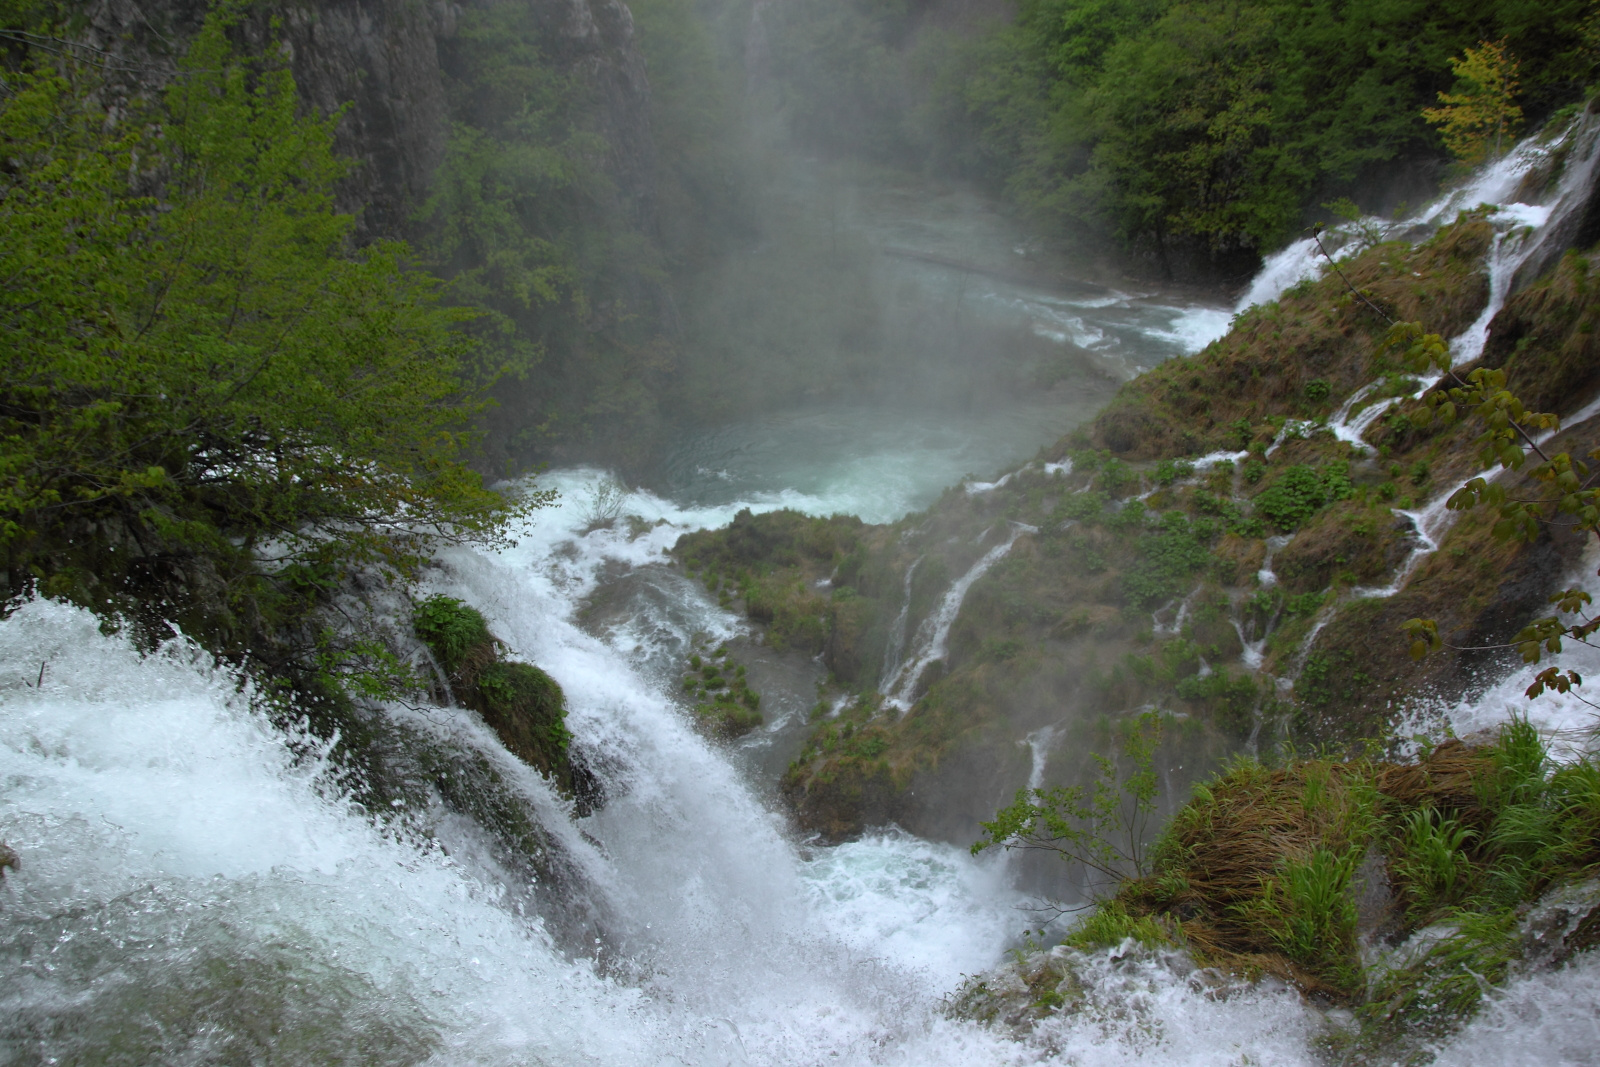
x=1206 y=547
x=1199 y=133
x=214 y=410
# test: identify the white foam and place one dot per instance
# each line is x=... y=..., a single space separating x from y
x=1281 y=271
x=1546 y=1019
x=1192 y=328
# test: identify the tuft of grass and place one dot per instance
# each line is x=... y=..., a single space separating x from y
x=1308 y=909
x=1110 y=924
x=1432 y=860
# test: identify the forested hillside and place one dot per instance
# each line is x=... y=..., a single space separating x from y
x=1199 y=134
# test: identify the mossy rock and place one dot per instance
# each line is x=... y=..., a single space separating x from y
x=520 y=702
x=526 y=707
x=727 y=718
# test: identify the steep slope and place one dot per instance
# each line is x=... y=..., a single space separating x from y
x=1235 y=542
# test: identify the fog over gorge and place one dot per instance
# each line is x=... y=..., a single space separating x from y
x=786 y=532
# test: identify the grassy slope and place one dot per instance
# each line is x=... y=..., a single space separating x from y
x=1319 y=871
x=1062 y=627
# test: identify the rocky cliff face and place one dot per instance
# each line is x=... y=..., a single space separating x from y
x=384 y=63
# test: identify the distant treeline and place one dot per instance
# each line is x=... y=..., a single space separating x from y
x=1179 y=127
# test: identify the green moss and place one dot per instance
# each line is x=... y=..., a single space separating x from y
x=528 y=710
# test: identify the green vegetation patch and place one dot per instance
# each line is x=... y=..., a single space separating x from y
x=1294 y=496
x=526 y=707
x=725 y=705
x=455 y=631
x=1283 y=870
x=520 y=702
x=780 y=563
x=1168 y=558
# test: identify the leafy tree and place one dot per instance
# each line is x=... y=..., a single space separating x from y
x=1479 y=121
x=1212 y=124
x=199 y=368
x=524 y=223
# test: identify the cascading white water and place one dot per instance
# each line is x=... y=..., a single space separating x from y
x=897 y=632
x=197 y=886
x=1495 y=186
x=935 y=629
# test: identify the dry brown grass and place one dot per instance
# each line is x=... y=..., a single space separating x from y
x=1446 y=780
x=1238 y=835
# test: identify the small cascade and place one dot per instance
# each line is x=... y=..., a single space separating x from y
x=1434 y=519
x=1253 y=653
x=1517 y=236
x=1350 y=430
x=1524 y=230
x=935 y=629
x=1039 y=744
x=1292 y=430
x=1281 y=271
x=1211 y=459
x=1568 y=719
x=1179 y=617
x=897 y=633
x=974 y=488
x=1431 y=524
x=1266 y=576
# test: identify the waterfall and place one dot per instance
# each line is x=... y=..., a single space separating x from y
x=935 y=629
x=1496 y=186
x=897 y=633
x=199 y=882
x=195 y=879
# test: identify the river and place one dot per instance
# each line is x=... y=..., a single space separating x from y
x=197 y=885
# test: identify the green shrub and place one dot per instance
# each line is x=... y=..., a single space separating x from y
x=1116 y=478
x=1173 y=470
x=1084 y=507
x=1167 y=560
x=1229 y=697
x=452 y=629
x=1301 y=492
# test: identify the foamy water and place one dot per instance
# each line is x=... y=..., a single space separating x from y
x=197 y=885
x=194 y=879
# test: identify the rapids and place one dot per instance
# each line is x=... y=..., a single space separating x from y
x=197 y=883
